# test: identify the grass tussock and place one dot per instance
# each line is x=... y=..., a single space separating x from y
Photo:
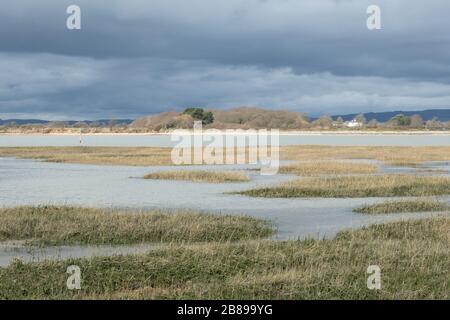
x=418 y=205
x=356 y=187
x=54 y=225
x=200 y=176
x=307 y=168
x=414 y=257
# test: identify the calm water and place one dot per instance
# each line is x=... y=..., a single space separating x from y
x=164 y=140
x=9 y=252
x=29 y=182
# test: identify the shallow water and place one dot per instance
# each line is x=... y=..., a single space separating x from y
x=35 y=254
x=30 y=182
x=164 y=140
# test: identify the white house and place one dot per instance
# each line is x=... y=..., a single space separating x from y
x=353 y=124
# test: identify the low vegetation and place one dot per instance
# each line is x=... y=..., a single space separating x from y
x=417 y=205
x=200 y=176
x=307 y=168
x=414 y=257
x=151 y=156
x=356 y=187
x=93 y=155
x=130 y=156
x=61 y=225
x=396 y=156
x=257 y=118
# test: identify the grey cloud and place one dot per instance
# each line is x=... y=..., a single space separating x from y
x=82 y=87
x=308 y=35
x=142 y=56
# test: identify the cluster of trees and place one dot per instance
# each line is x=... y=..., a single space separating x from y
x=173 y=120
x=198 y=114
x=257 y=118
x=239 y=118
x=402 y=121
x=399 y=121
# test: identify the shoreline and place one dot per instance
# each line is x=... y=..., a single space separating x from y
x=281 y=133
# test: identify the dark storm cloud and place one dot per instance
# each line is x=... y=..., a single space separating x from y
x=137 y=57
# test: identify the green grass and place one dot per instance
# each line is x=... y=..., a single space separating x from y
x=418 y=205
x=414 y=257
x=356 y=187
x=54 y=225
x=200 y=176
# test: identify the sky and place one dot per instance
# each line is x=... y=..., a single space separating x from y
x=138 y=57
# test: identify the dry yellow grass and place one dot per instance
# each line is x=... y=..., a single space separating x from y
x=356 y=187
x=399 y=156
x=200 y=176
x=150 y=156
x=415 y=205
x=135 y=156
x=307 y=168
x=131 y=156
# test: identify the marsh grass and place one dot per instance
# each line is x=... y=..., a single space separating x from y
x=416 y=205
x=200 y=176
x=356 y=187
x=93 y=155
x=308 y=168
x=131 y=156
x=396 y=156
x=60 y=225
x=149 y=156
x=414 y=257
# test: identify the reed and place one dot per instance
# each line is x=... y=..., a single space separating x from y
x=356 y=187
x=62 y=225
x=309 y=168
x=200 y=176
x=416 y=205
x=414 y=257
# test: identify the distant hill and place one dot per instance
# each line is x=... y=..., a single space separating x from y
x=69 y=122
x=441 y=114
x=23 y=121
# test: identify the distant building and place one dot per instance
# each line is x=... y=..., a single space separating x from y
x=353 y=124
